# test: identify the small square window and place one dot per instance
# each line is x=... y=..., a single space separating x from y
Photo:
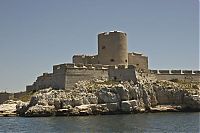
x=112 y=60
x=103 y=47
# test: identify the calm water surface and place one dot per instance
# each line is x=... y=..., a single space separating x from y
x=147 y=122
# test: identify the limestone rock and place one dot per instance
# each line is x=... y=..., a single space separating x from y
x=22 y=107
x=96 y=97
x=105 y=96
x=126 y=106
x=122 y=92
x=92 y=99
x=99 y=108
x=9 y=107
x=113 y=107
x=39 y=110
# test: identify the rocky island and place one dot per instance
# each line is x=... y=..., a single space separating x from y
x=108 y=97
x=111 y=82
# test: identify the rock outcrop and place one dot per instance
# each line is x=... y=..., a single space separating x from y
x=93 y=97
x=8 y=108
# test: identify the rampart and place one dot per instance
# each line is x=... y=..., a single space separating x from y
x=85 y=59
x=122 y=73
x=139 y=60
x=185 y=75
x=4 y=96
x=64 y=76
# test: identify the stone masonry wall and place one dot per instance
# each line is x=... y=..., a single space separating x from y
x=78 y=74
x=122 y=73
x=185 y=75
x=69 y=74
x=85 y=59
x=112 y=48
x=64 y=76
x=140 y=61
x=5 y=96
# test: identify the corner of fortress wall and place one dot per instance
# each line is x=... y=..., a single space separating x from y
x=186 y=75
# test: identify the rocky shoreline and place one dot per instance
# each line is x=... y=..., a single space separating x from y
x=99 y=97
x=96 y=97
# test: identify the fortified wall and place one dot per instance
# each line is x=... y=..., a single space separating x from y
x=4 y=96
x=85 y=59
x=112 y=62
x=65 y=76
x=122 y=73
x=184 y=75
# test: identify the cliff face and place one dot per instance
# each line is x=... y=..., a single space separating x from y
x=101 y=97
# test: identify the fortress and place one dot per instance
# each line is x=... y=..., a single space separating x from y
x=112 y=62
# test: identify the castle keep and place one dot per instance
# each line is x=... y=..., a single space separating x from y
x=113 y=50
x=112 y=62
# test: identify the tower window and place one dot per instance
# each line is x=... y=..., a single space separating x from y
x=112 y=60
x=126 y=61
x=103 y=47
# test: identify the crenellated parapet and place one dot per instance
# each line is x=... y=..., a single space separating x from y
x=191 y=72
x=85 y=59
x=80 y=66
x=185 y=75
x=121 y=66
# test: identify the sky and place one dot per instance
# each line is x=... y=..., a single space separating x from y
x=37 y=34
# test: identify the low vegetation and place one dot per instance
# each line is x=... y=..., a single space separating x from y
x=26 y=97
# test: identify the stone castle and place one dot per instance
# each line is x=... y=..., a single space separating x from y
x=112 y=62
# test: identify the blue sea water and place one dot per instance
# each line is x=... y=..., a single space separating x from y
x=146 y=122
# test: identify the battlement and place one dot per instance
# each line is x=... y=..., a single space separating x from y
x=136 y=54
x=121 y=66
x=175 y=72
x=112 y=32
x=90 y=66
x=80 y=66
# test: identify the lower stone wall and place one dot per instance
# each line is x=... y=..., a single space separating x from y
x=122 y=73
x=184 y=77
x=4 y=96
x=75 y=75
x=19 y=94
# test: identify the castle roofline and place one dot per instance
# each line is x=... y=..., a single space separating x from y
x=115 y=31
x=136 y=53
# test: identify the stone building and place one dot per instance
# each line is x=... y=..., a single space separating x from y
x=113 y=50
x=112 y=62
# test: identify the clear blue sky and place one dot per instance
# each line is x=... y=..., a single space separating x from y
x=37 y=34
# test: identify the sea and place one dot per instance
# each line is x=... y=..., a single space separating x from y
x=134 y=123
